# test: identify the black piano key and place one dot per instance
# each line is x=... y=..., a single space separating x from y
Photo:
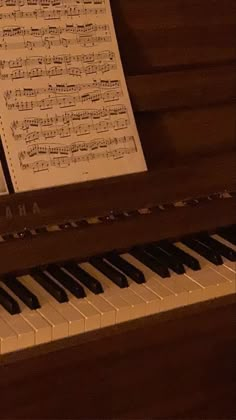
x=67 y=281
x=222 y=249
x=114 y=275
x=85 y=278
x=22 y=292
x=183 y=256
x=228 y=233
x=49 y=285
x=126 y=267
x=9 y=303
x=165 y=259
x=150 y=262
x=203 y=250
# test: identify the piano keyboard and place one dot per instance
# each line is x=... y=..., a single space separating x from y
x=71 y=299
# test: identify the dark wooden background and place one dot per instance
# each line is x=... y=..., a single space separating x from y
x=188 y=50
x=179 y=58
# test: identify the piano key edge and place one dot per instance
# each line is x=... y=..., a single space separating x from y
x=75 y=342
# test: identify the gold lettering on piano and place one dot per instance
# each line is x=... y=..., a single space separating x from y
x=9 y=214
x=21 y=210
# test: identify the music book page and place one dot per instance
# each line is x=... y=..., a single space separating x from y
x=65 y=111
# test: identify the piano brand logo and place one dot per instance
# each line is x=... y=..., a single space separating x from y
x=21 y=210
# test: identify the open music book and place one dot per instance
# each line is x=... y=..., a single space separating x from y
x=65 y=111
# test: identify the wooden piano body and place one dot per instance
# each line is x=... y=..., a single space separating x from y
x=179 y=58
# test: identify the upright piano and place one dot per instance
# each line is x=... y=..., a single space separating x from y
x=117 y=296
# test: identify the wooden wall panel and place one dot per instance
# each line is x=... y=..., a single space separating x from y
x=178 y=135
x=183 y=89
x=156 y=34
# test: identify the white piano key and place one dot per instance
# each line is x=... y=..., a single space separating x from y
x=224 y=241
x=231 y=265
x=60 y=327
x=167 y=298
x=222 y=270
x=25 y=333
x=152 y=302
x=137 y=304
x=135 y=300
x=8 y=338
x=122 y=307
x=41 y=327
x=91 y=317
x=229 y=273
x=107 y=311
x=70 y=314
x=151 y=299
x=214 y=284
x=186 y=290
x=226 y=270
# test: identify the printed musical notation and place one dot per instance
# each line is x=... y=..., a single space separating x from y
x=52 y=66
x=50 y=3
x=111 y=148
x=64 y=101
x=78 y=123
x=88 y=35
x=66 y=115
x=106 y=55
x=62 y=88
x=51 y=9
x=52 y=14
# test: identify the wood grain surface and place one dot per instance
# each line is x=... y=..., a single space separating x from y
x=179 y=59
x=163 y=34
x=182 y=368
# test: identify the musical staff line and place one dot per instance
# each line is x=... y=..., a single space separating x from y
x=68 y=117
x=53 y=14
x=101 y=56
x=48 y=43
x=87 y=152
x=89 y=28
x=115 y=118
x=59 y=71
x=78 y=130
x=64 y=149
x=65 y=101
x=50 y=3
x=61 y=88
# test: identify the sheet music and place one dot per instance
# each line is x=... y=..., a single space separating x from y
x=65 y=111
